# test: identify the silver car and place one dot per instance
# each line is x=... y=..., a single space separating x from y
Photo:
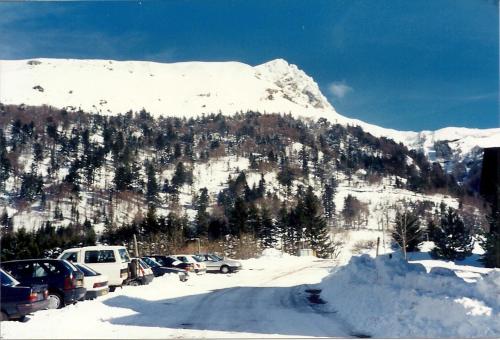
x=215 y=263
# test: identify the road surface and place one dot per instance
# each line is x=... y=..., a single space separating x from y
x=264 y=300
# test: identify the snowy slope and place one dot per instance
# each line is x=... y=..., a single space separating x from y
x=179 y=89
x=193 y=88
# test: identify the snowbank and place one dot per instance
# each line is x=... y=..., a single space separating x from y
x=388 y=297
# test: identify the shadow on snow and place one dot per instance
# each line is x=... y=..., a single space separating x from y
x=261 y=310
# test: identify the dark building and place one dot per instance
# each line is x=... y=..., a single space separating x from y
x=490 y=177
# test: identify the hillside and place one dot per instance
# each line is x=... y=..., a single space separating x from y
x=75 y=169
x=213 y=149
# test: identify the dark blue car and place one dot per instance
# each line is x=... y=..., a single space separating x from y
x=17 y=301
x=64 y=281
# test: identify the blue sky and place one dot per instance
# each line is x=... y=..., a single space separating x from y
x=420 y=64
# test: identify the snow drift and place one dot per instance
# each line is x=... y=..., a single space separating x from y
x=388 y=297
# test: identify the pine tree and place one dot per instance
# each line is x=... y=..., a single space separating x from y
x=284 y=230
x=350 y=210
x=90 y=235
x=254 y=221
x=152 y=184
x=238 y=217
x=316 y=230
x=452 y=238
x=491 y=242
x=328 y=199
x=123 y=178
x=268 y=230
x=407 y=232
x=202 y=217
x=261 y=190
x=181 y=176
x=303 y=156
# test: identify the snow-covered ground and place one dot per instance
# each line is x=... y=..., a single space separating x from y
x=266 y=299
x=382 y=297
x=425 y=298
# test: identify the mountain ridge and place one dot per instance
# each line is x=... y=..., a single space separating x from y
x=191 y=88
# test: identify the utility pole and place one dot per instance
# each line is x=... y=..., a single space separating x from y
x=136 y=249
x=199 y=243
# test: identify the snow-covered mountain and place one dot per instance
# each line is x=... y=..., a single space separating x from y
x=194 y=88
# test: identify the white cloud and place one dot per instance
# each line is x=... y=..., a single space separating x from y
x=339 y=89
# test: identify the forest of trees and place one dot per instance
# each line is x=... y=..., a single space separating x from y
x=51 y=159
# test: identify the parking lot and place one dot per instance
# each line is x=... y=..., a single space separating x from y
x=267 y=298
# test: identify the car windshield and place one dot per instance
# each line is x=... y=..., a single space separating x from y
x=87 y=271
x=215 y=257
x=198 y=258
x=151 y=262
x=7 y=280
x=69 y=256
x=124 y=255
x=143 y=264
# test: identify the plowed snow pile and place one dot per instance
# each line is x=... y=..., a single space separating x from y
x=387 y=297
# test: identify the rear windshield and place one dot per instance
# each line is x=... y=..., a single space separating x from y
x=7 y=280
x=99 y=256
x=86 y=270
x=124 y=255
x=70 y=256
x=69 y=265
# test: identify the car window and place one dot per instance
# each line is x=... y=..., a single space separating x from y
x=71 y=256
x=151 y=262
x=51 y=268
x=39 y=270
x=182 y=258
x=143 y=264
x=124 y=255
x=86 y=270
x=7 y=280
x=99 y=256
x=69 y=265
x=161 y=261
x=198 y=258
x=22 y=270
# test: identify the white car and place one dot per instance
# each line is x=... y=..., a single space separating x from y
x=113 y=261
x=95 y=283
x=216 y=263
x=198 y=266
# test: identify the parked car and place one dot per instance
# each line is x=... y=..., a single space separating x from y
x=17 y=301
x=111 y=261
x=171 y=262
x=198 y=265
x=140 y=273
x=159 y=270
x=95 y=283
x=64 y=280
x=216 y=263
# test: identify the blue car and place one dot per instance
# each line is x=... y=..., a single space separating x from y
x=64 y=280
x=17 y=301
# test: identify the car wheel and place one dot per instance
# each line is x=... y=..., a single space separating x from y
x=112 y=289
x=3 y=317
x=55 y=301
x=134 y=283
x=224 y=269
